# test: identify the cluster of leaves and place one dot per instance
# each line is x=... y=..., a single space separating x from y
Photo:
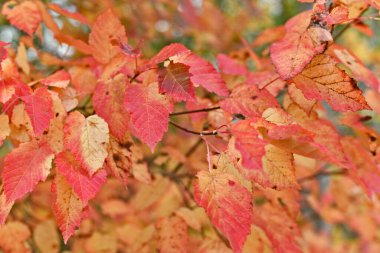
x=262 y=135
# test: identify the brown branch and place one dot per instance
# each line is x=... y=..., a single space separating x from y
x=214 y=132
x=322 y=173
x=195 y=111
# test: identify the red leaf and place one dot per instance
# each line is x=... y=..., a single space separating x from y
x=203 y=73
x=108 y=102
x=249 y=143
x=39 y=108
x=106 y=28
x=84 y=186
x=292 y=53
x=174 y=80
x=249 y=101
x=230 y=66
x=227 y=203
x=67 y=207
x=25 y=16
x=59 y=79
x=149 y=112
x=167 y=52
x=24 y=167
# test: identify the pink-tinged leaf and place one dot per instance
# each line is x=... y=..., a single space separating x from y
x=249 y=101
x=323 y=80
x=24 y=167
x=67 y=207
x=119 y=160
x=293 y=52
x=356 y=66
x=297 y=97
x=5 y=208
x=281 y=229
x=174 y=80
x=105 y=30
x=108 y=102
x=268 y=80
x=4 y=128
x=59 y=79
x=250 y=144
x=203 y=73
x=227 y=203
x=7 y=90
x=87 y=139
x=172 y=235
x=337 y=15
x=25 y=16
x=39 y=108
x=149 y=112
x=73 y=15
x=167 y=52
x=230 y=66
x=84 y=186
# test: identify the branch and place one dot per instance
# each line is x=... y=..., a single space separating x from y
x=187 y=154
x=214 y=132
x=195 y=111
x=322 y=173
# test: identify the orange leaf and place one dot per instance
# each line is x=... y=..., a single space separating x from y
x=173 y=236
x=322 y=79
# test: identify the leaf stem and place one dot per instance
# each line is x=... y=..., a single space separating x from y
x=195 y=111
x=214 y=132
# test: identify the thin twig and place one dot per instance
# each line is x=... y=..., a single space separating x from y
x=195 y=111
x=322 y=174
x=214 y=132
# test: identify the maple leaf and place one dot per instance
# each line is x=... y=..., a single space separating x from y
x=108 y=102
x=249 y=143
x=202 y=73
x=106 y=28
x=87 y=139
x=282 y=230
x=230 y=66
x=25 y=16
x=174 y=80
x=167 y=52
x=67 y=207
x=356 y=66
x=4 y=127
x=149 y=112
x=24 y=167
x=249 y=101
x=172 y=235
x=227 y=203
x=59 y=79
x=119 y=160
x=322 y=79
x=293 y=52
x=84 y=186
x=39 y=108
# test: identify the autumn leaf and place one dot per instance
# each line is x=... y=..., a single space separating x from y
x=5 y=207
x=230 y=66
x=4 y=127
x=60 y=79
x=67 y=207
x=249 y=101
x=106 y=28
x=25 y=167
x=39 y=108
x=294 y=51
x=87 y=139
x=7 y=90
x=119 y=159
x=108 y=102
x=322 y=79
x=174 y=80
x=84 y=186
x=168 y=52
x=25 y=16
x=13 y=237
x=149 y=112
x=172 y=235
x=202 y=73
x=227 y=203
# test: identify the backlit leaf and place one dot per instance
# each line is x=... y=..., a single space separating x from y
x=25 y=167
